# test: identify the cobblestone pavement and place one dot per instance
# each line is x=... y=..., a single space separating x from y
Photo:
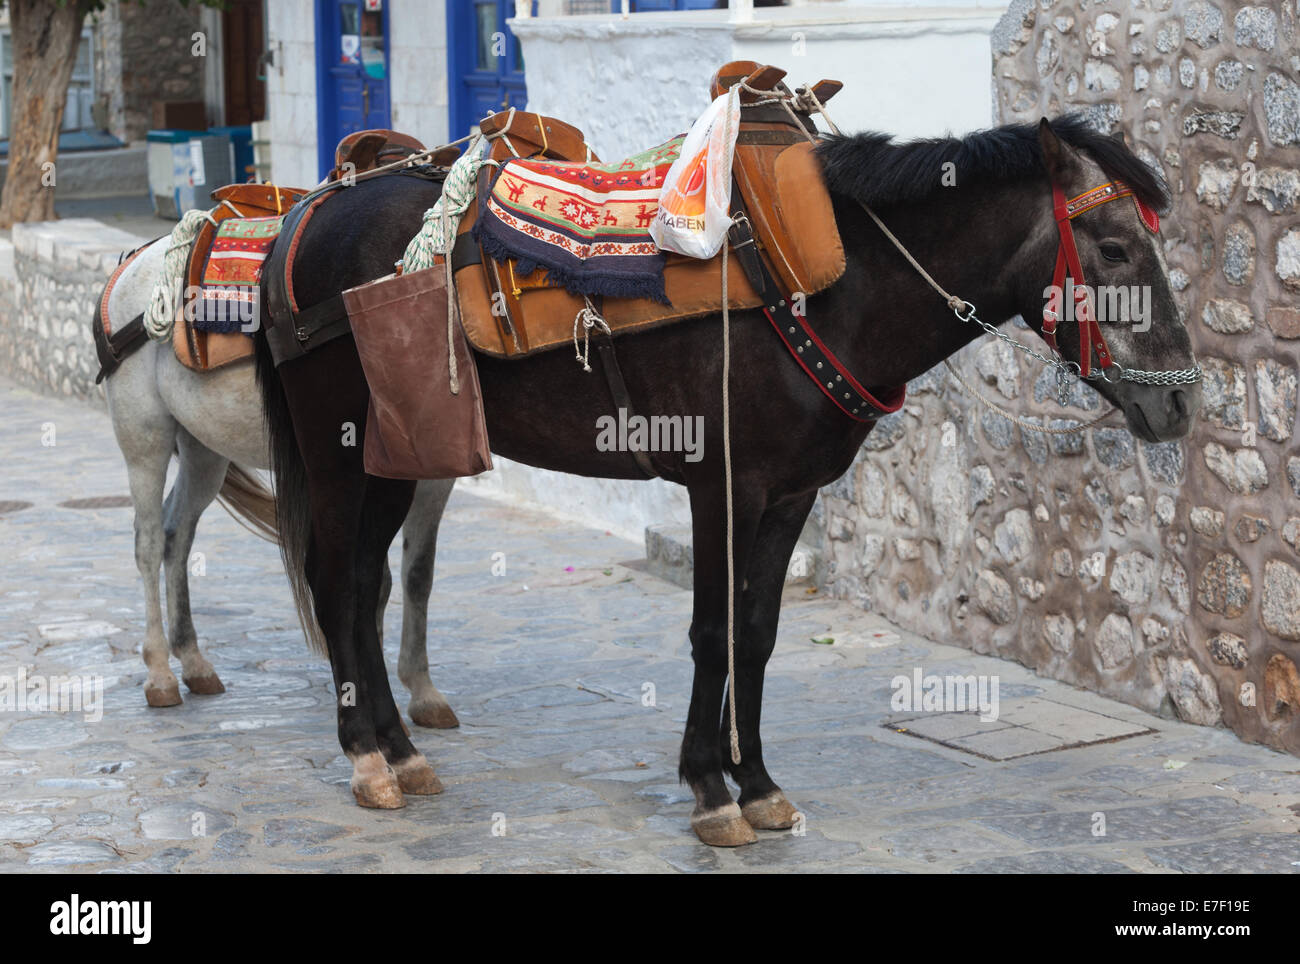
x=546 y=667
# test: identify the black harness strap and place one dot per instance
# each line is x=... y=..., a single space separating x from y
x=622 y=397
x=113 y=349
x=817 y=361
x=465 y=252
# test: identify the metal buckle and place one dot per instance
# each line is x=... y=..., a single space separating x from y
x=737 y=222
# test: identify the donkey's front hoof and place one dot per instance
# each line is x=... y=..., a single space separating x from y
x=434 y=714
x=416 y=776
x=166 y=693
x=722 y=827
x=772 y=812
x=209 y=685
x=375 y=785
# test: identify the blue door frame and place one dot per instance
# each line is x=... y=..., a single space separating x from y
x=348 y=97
x=481 y=76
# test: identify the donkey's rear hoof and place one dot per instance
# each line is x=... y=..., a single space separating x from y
x=209 y=685
x=417 y=777
x=772 y=812
x=375 y=785
x=432 y=714
x=723 y=827
x=162 y=694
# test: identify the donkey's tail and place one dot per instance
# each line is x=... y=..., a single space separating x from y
x=292 y=502
x=250 y=502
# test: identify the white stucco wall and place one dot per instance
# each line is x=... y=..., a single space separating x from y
x=908 y=68
x=291 y=91
x=417 y=49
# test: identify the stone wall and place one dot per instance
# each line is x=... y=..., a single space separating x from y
x=48 y=298
x=143 y=53
x=1168 y=575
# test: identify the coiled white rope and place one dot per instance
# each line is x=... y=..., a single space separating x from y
x=167 y=293
x=442 y=221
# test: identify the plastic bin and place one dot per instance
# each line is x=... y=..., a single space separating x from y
x=185 y=167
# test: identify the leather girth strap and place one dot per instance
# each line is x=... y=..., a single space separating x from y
x=290 y=332
x=618 y=391
x=114 y=347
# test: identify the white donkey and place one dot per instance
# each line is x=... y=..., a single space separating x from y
x=213 y=423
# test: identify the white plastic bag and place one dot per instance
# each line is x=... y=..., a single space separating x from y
x=695 y=203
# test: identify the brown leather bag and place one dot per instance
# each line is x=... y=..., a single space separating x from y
x=424 y=422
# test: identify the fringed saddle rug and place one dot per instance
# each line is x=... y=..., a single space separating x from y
x=227 y=298
x=586 y=225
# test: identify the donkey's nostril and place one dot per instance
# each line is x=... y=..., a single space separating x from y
x=1178 y=399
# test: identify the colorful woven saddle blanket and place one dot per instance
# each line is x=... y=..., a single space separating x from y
x=586 y=226
x=226 y=301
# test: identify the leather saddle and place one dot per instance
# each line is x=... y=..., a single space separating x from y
x=205 y=350
x=514 y=133
x=369 y=149
x=778 y=185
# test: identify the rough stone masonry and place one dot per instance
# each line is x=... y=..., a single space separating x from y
x=1167 y=575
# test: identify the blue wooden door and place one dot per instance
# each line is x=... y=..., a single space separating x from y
x=352 y=83
x=485 y=62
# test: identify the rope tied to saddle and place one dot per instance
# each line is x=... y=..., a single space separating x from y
x=160 y=316
x=441 y=224
x=586 y=319
x=726 y=464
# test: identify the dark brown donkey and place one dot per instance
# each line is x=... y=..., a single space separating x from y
x=992 y=239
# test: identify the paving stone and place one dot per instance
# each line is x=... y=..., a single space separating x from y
x=690 y=859
x=782 y=848
x=1274 y=853
x=934 y=844
x=1045 y=862
x=1265 y=781
x=1174 y=820
x=299 y=833
x=1007 y=744
x=70 y=853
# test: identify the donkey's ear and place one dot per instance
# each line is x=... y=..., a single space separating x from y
x=1058 y=156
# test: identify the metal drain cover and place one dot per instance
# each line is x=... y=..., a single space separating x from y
x=99 y=502
x=1024 y=727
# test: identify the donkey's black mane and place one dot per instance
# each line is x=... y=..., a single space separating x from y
x=870 y=168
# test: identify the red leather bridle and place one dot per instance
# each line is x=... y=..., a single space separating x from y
x=1067 y=263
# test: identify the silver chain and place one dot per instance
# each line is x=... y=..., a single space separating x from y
x=1066 y=370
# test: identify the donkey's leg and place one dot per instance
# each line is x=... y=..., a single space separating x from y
x=428 y=707
x=762 y=803
x=383 y=509
x=335 y=578
x=717 y=819
x=146 y=434
x=201 y=474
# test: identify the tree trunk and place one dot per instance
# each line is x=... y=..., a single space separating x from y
x=45 y=38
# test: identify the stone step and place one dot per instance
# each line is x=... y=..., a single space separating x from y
x=669 y=555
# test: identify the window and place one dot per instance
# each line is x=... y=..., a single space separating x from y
x=81 y=90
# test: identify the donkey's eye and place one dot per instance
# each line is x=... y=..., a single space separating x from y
x=1112 y=251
